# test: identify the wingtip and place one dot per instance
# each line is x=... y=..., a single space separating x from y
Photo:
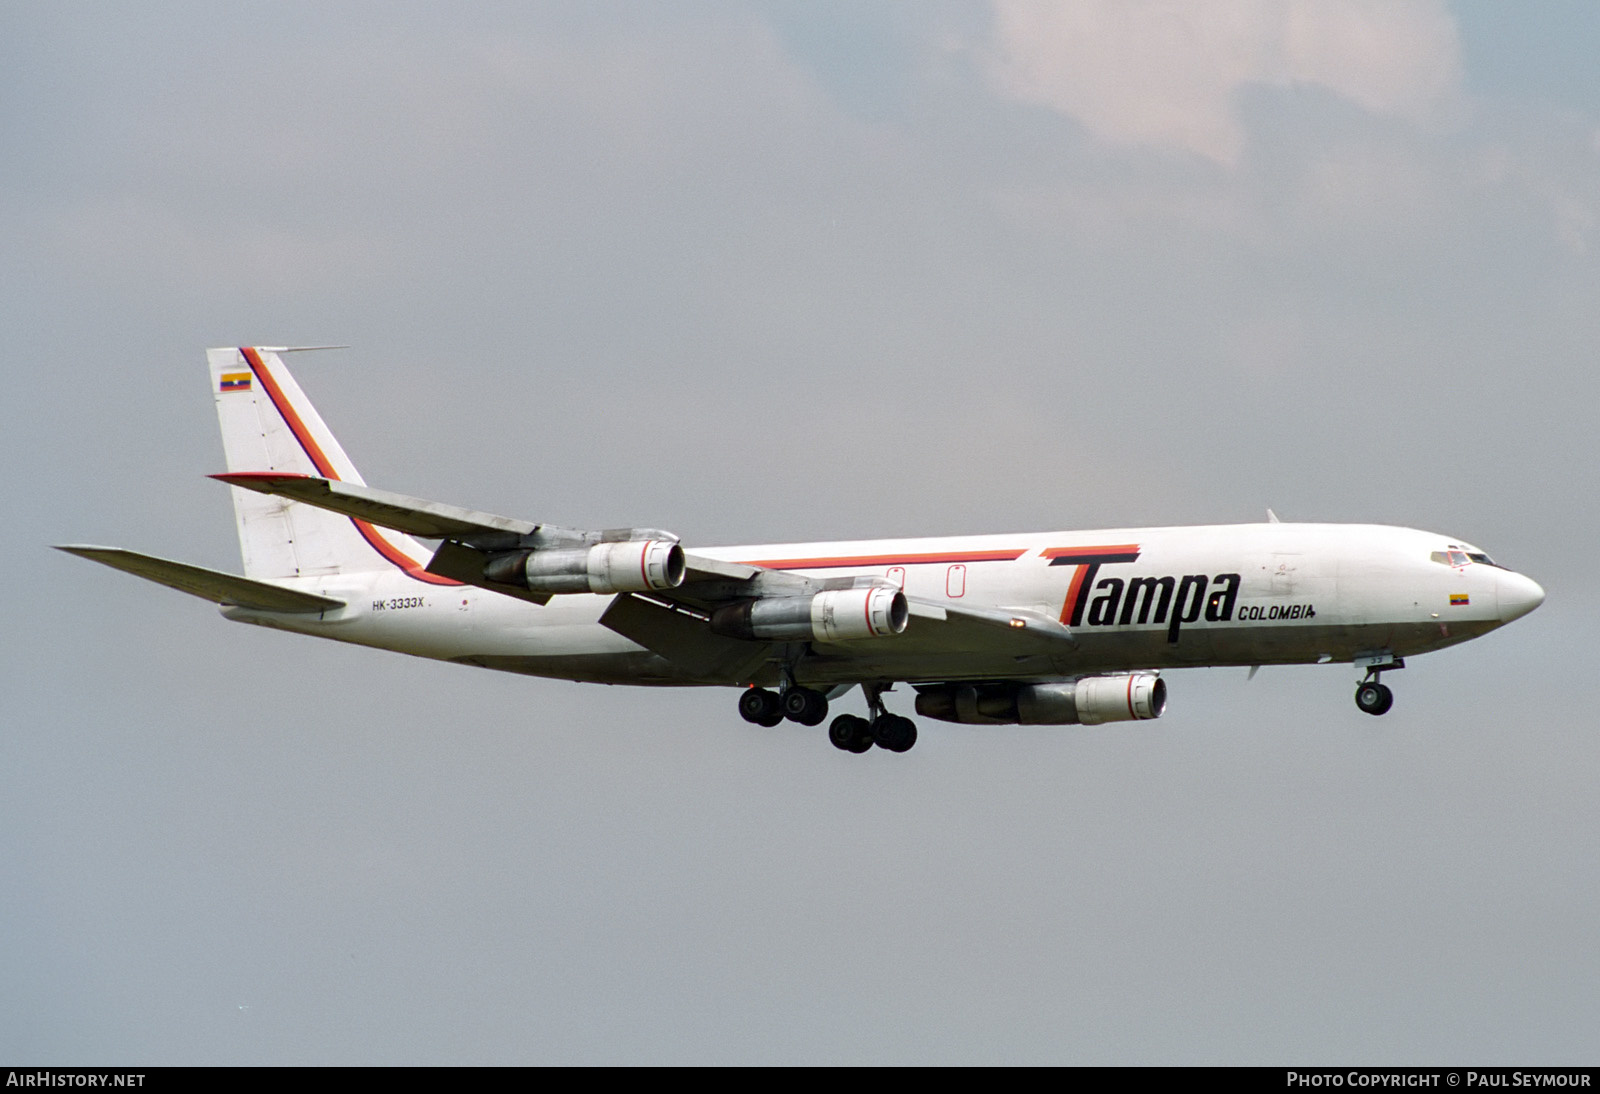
x=254 y=480
x=289 y=349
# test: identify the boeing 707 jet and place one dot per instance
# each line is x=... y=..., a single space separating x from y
x=1052 y=628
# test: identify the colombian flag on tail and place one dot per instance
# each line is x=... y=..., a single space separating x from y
x=235 y=381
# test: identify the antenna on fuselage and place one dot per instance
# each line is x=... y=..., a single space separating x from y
x=1272 y=518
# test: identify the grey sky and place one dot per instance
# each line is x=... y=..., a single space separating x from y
x=767 y=272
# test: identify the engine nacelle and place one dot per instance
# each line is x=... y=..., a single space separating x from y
x=1092 y=700
x=1089 y=701
x=631 y=566
x=836 y=615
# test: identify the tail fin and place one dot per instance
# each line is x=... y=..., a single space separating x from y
x=268 y=424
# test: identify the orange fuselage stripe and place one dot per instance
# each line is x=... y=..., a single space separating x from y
x=932 y=558
x=1080 y=552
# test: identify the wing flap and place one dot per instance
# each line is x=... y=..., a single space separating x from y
x=685 y=640
x=465 y=564
x=956 y=628
x=212 y=585
x=701 y=568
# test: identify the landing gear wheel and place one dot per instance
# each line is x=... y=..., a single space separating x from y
x=894 y=733
x=1374 y=698
x=805 y=706
x=850 y=733
x=760 y=706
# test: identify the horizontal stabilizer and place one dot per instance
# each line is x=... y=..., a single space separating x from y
x=213 y=585
x=428 y=519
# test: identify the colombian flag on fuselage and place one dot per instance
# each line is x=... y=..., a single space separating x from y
x=235 y=381
x=1458 y=599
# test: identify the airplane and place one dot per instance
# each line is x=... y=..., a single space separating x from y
x=1053 y=628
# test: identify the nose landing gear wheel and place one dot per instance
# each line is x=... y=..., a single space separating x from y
x=1374 y=698
x=850 y=733
x=760 y=706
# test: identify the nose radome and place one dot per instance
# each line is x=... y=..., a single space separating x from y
x=1518 y=595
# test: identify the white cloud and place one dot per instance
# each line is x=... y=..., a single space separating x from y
x=1167 y=74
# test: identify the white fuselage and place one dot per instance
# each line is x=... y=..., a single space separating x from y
x=1136 y=598
x=1047 y=628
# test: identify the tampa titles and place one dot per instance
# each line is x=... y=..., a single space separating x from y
x=1143 y=600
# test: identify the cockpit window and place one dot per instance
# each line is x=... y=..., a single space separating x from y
x=1485 y=559
x=1457 y=558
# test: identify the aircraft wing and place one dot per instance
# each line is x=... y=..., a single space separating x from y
x=213 y=585
x=428 y=519
x=455 y=559
x=471 y=537
x=677 y=629
x=959 y=632
x=674 y=622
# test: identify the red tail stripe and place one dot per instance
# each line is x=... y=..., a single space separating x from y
x=324 y=466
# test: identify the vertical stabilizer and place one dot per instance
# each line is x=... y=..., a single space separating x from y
x=268 y=424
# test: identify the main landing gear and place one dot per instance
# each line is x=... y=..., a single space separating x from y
x=1373 y=696
x=760 y=706
x=848 y=732
x=887 y=731
x=768 y=708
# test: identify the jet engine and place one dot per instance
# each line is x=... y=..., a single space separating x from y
x=632 y=566
x=835 y=615
x=1090 y=700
